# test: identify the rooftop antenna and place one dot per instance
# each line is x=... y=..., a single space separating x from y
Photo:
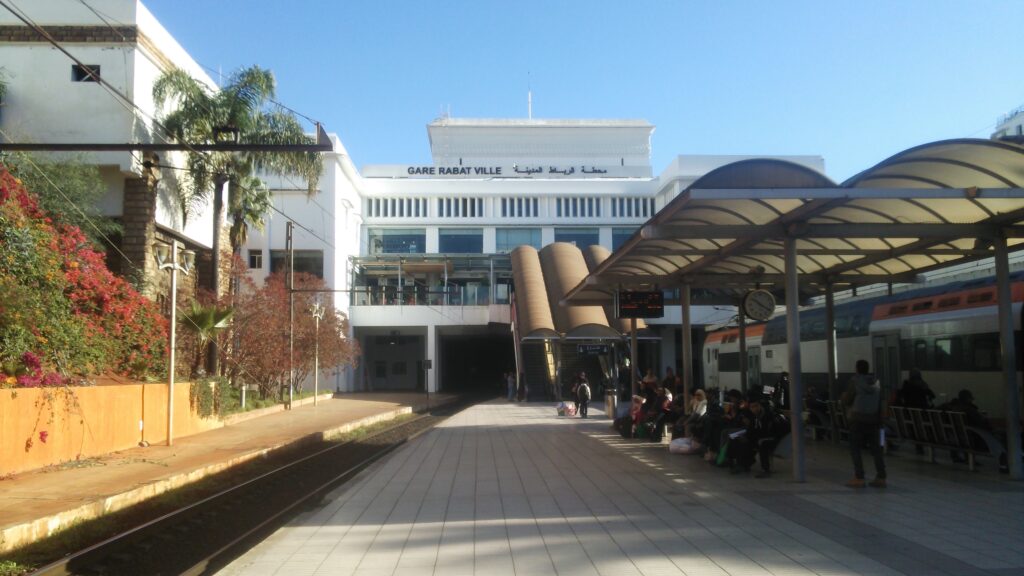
x=529 y=98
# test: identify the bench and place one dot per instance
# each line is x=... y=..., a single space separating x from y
x=944 y=430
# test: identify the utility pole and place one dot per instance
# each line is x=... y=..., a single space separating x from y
x=318 y=314
x=291 y=311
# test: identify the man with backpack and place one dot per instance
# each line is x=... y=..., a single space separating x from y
x=865 y=405
x=583 y=394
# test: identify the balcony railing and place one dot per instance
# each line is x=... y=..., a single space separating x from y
x=454 y=295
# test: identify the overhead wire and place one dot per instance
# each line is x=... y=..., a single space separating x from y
x=125 y=102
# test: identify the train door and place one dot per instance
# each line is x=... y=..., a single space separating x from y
x=885 y=351
x=711 y=361
x=753 y=369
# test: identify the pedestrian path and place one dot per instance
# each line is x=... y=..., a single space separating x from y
x=503 y=489
x=35 y=504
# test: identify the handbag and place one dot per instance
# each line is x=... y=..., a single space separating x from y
x=722 y=454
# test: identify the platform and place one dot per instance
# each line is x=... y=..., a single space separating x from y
x=34 y=504
x=503 y=489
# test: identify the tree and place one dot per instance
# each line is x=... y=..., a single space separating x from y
x=204 y=322
x=260 y=351
x=69 y=190
x=241 y=112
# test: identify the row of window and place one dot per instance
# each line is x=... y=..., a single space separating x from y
x=470 y=240
x=460 y=207
x=956 y=353
x=518 y=207
x=308 y=261
x=396 y=207
x=578 y=207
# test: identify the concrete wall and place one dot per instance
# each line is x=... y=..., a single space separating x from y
x=82 y=422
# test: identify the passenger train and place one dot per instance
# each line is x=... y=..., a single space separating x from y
x=949 y=332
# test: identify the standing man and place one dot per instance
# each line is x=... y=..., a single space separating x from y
x=865 y=405
x=583 y=394
x=510 y=381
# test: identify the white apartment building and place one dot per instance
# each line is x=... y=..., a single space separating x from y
x=51 y=99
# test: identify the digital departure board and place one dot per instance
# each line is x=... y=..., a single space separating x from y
x=640 y=305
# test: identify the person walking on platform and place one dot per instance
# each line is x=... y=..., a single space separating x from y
x=865 y=405
x=583 y=395
x=510 y=381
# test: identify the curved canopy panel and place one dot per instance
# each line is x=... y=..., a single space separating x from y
x=564 y=267
x=533 y=315
x=923 y=209
x=947 y=164
x=594 y=255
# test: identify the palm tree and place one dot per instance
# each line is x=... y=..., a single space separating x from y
x=241 y=112
x=205 y=322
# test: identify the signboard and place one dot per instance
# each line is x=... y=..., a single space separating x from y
x=592 y=349
x=640 y=304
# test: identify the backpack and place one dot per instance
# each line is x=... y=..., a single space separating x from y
x=584 y=391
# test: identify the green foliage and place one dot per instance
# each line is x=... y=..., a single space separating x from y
x=62 y=312
x=211 y=397
x=68 y=189
x=204 y=322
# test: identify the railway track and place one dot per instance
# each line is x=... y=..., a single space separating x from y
x=204 y=536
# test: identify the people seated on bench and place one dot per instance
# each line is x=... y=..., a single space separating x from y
x=692 y=425
x=657 y=414
x=763 y=428
x=628 y=424
x=721 y=417
x=915 y=393
x=964 y=402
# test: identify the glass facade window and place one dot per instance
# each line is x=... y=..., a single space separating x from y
x=620 y=235
x=308 y=261
x=508 y=238
x=461 y=241
x=581 y=237
x=397 y=240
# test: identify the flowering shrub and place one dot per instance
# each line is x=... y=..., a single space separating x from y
x=62 y=312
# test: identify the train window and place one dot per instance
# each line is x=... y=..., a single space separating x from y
x=716 y=354
x=948 y=353
x=709 y=355
x=948 y=302
x=979 y=297
x=768 y=353
x=897 y=309
x=986 y=352
x=926 y=305
x=920 y=354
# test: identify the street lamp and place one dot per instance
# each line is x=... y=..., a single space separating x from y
x=167 y=259
x=317 y=310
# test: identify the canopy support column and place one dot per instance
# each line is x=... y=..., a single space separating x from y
x=1009 y=357
x=796 y=388
x=687 y=338
x=741 y=320
x=830 y=352
x=632 y=357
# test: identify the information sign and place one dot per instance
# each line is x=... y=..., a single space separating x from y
x=640 y=304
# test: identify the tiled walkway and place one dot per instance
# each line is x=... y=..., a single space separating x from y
x=512 y=489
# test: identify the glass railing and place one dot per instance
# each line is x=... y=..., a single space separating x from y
x=454 y=295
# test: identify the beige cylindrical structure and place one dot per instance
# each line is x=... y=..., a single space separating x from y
x=594 y=255
x=564 y=268
x=533 y=313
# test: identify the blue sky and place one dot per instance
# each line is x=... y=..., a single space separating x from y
x=854 y=82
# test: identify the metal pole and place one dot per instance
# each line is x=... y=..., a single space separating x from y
x=830 y=352
x=632 y=356
x=291 y=315
x=796 y=392
x=1006 y=340
x=174 y=320
x=687 y=337
x=741 y=320
x=318 y=313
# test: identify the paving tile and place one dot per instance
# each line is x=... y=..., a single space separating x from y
x=510 y=489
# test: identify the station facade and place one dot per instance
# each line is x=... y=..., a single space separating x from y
x=420 y=254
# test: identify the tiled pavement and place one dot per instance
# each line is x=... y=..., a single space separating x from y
x=512 y=489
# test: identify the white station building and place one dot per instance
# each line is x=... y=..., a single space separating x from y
x=419 y=254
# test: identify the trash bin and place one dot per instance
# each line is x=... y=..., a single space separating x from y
x=611 y=402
